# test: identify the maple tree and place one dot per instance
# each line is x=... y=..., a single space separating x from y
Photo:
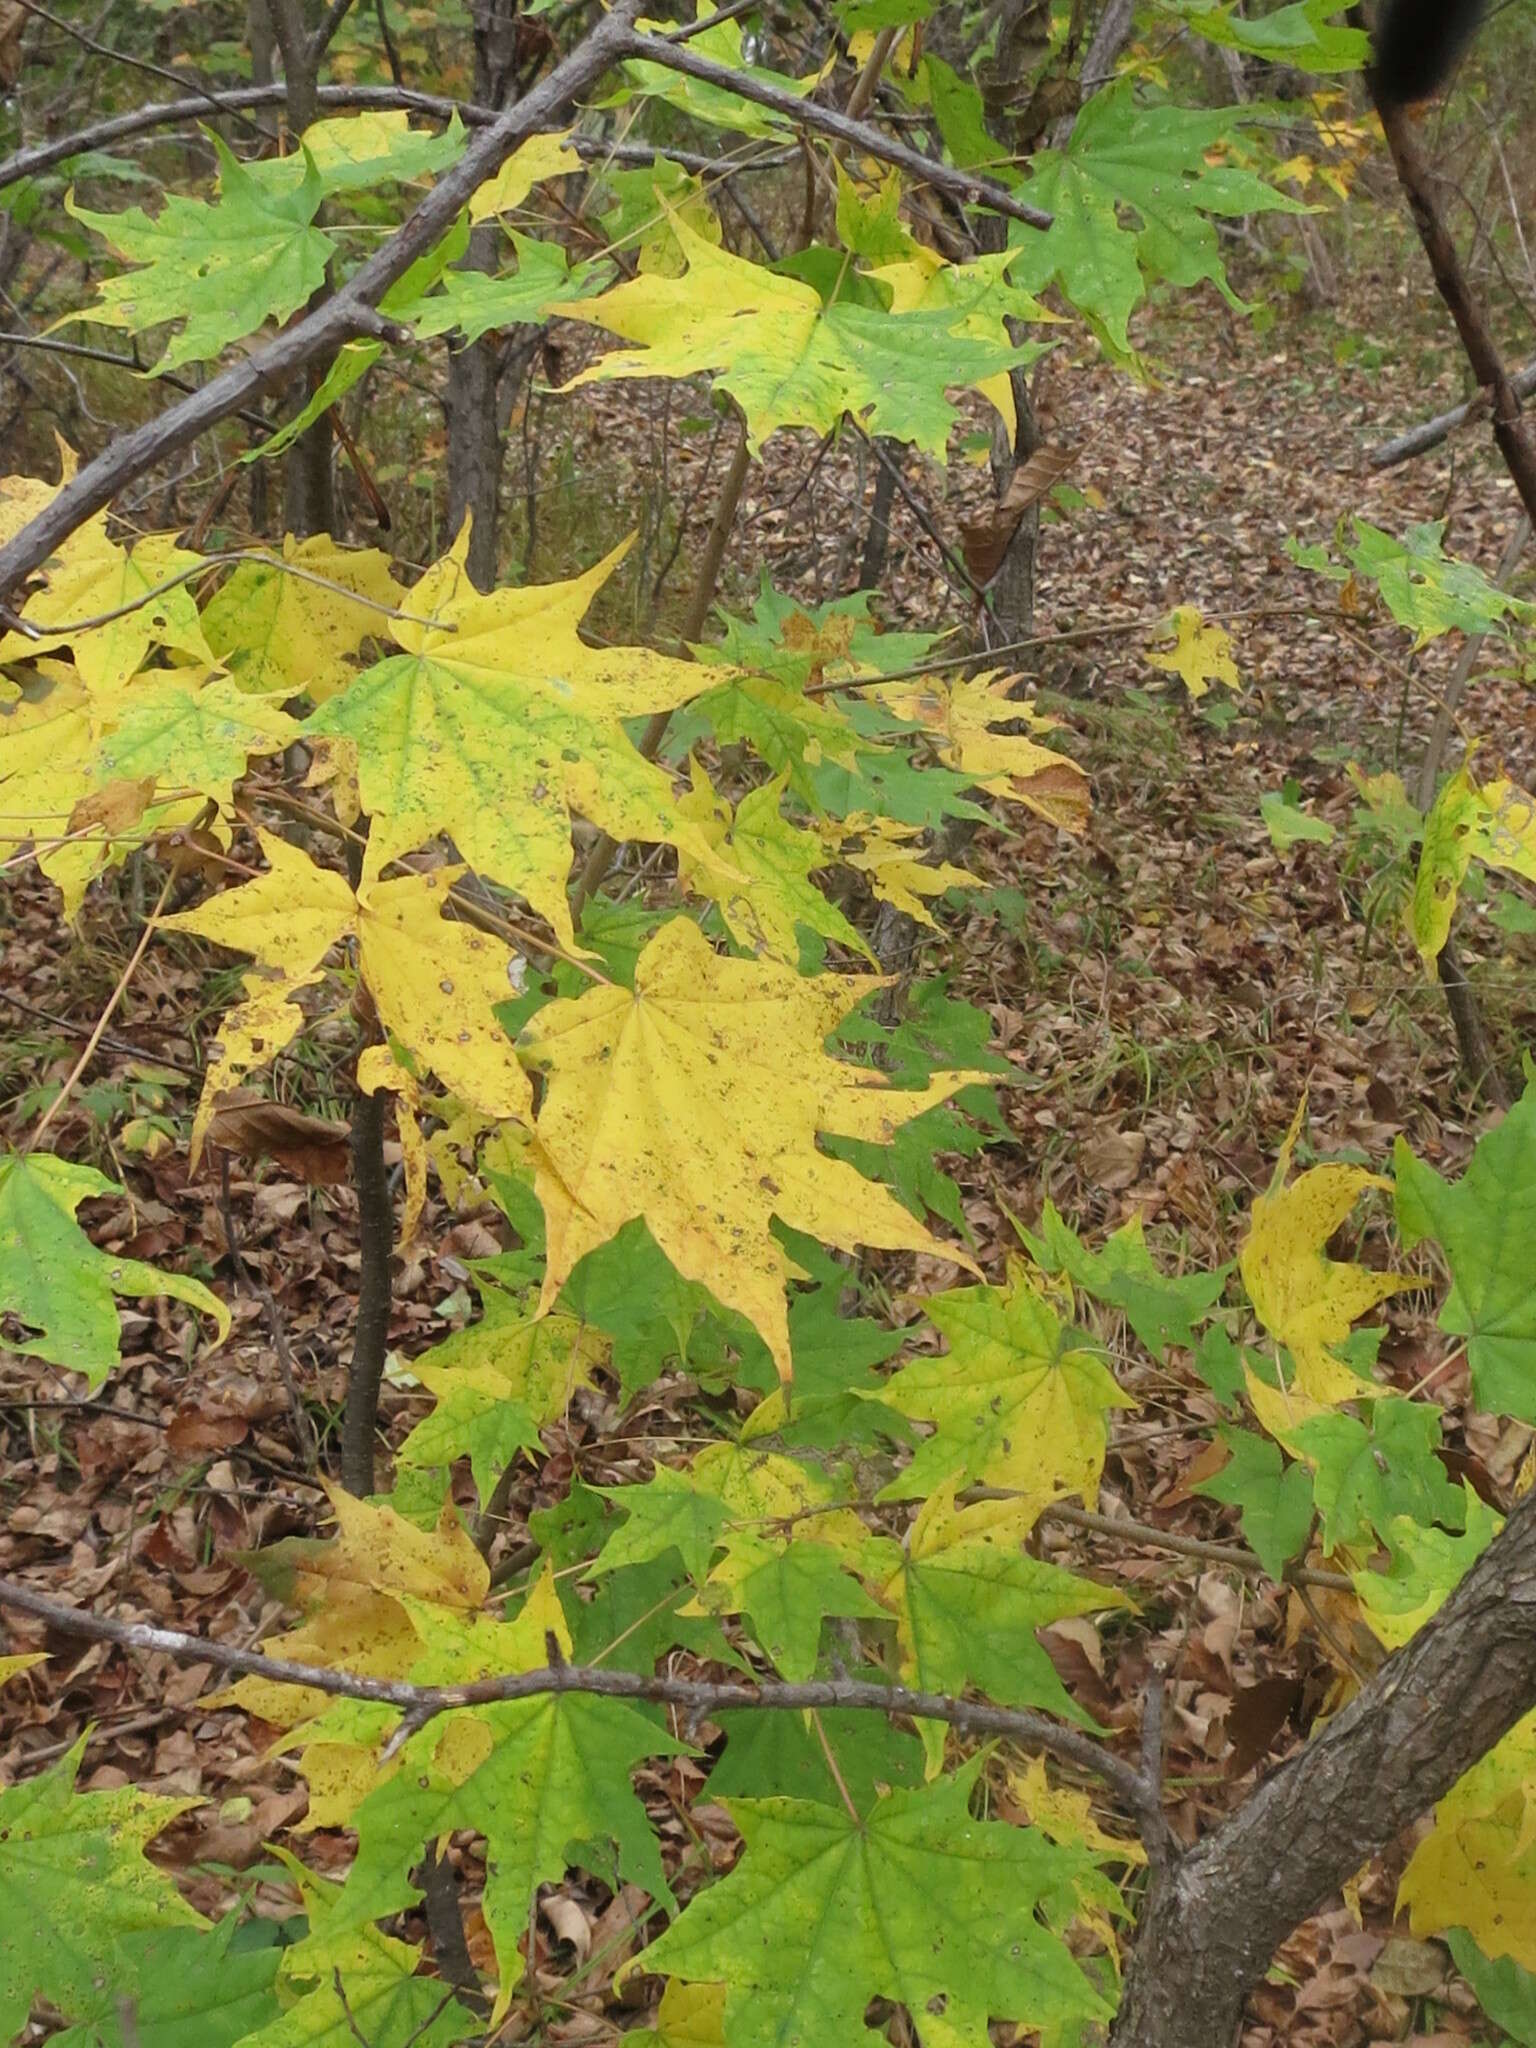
x=603 y=927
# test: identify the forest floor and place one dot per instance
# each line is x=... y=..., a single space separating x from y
x=1168 y=987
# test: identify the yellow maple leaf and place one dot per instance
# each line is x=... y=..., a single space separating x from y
x=433 y=981
x=90 y=575
x=888 y=854
x=540 y=157
x=497 y=722
x=1066 y=1815
x=695 y=1102
x=1304 y=1299
x=1476 y=1868
x=1201 y=654
x=290 y=624
x=961 y=714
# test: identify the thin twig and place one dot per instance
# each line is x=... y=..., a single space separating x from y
x=89 y=1048
x=97 y=49
x=701 y=1697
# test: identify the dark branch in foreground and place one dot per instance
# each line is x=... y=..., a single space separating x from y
x=42 y=156
x=318 y=334
x=696 y=1697
x=964 y=186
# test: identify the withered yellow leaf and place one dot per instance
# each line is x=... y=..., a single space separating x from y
x=961 y=715
x=695 y=1102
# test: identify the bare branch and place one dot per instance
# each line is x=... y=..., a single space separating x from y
x=1431 y=432
x=319 y=333
x=964 y=186
x=695 y=1696
x=42 y=156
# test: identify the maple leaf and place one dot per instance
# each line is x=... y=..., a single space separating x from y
x=1304 y=1299
x=341 y=1979
x=694 y=1101
x=916 y=1902
x=1157 y=165
x=1486 y=1223
x=59 y=1286
x=1476 y=1868
x=90 y=576
x=762 y=884
x=534 y=1776
x=540 y=157
x=1066 y=1815
x=1161 y=1309
x=786 y=1589
x=1493 y=822
x=887 y=854
x=277 y=628
x=960 y=716
x=221 y=269
x=1426 y=1565
x=85 y=781
x=1015 y=1401
x=1201 y=654
x=435 y=982
x=472 y=303
x=787 y=359
x=968 y=1599
x=977 y=299
x=496 y=1383
x=498 y=723
x=671 y=1511
x=78 y=1890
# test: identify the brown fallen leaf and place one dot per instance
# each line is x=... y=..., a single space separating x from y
x=985 y=540
x=310 y=1147
x=120 y=804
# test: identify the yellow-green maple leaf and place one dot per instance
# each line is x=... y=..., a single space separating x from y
x=787 y=359
x=1494 y=822
x=763 y=884
x=85 y=779
x=1201 y=654
x=90 y=575
x=540 y=157
x=695 y=1102
x=1304 y=1299
x=1014 y=1402
x=290 y=624
x=435 y=982
x=961 y=715
x=497 y=723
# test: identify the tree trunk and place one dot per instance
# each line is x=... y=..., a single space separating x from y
x=1215 y=1919
x=474 y=425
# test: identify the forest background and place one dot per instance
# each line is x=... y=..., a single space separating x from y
x=769 y=958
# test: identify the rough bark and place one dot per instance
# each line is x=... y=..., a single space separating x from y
x=1214 y=1919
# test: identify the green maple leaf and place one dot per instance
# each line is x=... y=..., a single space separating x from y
x=953 y=1917
x=1275 y=1498
x=183 y=1987
x=1426 y=590
x=59 y=1286
x=669 y=1512
x=221 y=269
x=761 y=873
x=788 y=730
x=788 y=360
x=1150 y=161
x=344 y=1983
x=1363 y=1478
x=1486 y=1223
x=540 y=1778
x=1426 y=1565
x=968 y=1600
x=472 y=303
x=786 y=1591
x=769 y=1755
x=80 y=1905
x=1301 y=33
x=1161 y=1310
x=496 y=1384
x=498 y=722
